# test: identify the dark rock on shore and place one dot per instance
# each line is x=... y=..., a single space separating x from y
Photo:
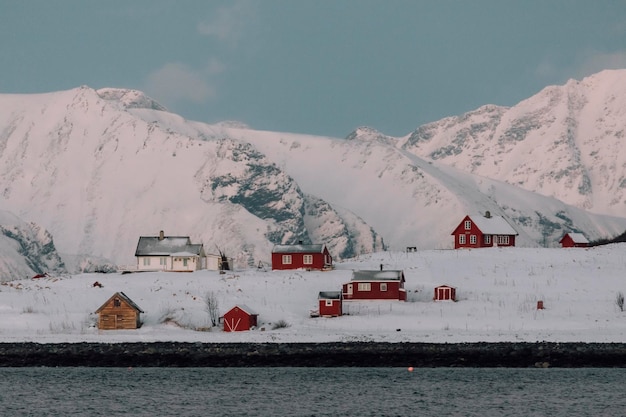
x=364 y=354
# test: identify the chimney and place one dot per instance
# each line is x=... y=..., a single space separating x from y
x=161 y=235
x=381 y=267
x=488 y=214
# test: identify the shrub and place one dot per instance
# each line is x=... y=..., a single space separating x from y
x=619 y=300
x=280 y=324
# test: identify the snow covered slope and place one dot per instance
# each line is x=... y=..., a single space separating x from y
x=99 y=168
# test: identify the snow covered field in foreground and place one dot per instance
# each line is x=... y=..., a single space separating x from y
x=497 y=292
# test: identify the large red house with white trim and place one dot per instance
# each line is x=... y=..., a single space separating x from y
x=302 y=256
x=483 y=232
x=375 y=285
x=574 y=240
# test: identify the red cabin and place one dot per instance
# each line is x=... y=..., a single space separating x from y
x=483 y=232
x=330 y=303
x=574 y=240
x=239 y=318
x=445 y=292
x=301 y=257
x=375 y=285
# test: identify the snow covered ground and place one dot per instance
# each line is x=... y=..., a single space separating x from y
x=497 y=292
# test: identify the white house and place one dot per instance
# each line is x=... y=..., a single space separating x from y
x=169 y=253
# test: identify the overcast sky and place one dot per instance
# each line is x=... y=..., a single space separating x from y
x=323 y=67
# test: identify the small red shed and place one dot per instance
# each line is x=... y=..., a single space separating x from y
x=483 y=232
x=330 y=303
x=445 y=292
x=302 y=256
x=375 y=285
x=574 y=240
x=239 y=318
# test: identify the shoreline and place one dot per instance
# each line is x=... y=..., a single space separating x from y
x=339 y=354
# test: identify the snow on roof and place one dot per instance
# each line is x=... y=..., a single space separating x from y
x=246 y=309
x=122 y=296
x=300 y=248
x=577 y=237
x=329 y=295
x=385 y=275
x=167 y=246
x=493 y=225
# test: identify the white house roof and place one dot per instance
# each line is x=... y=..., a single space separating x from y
x=385 y=275
x=168 y=246
x=577 y=237
x=247 y=309
x=494 y=225
x=300 y=248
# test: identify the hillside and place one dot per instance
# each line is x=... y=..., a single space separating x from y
x=497 y=291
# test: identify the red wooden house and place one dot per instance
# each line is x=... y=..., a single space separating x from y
x=330 y=303
x=375 y=285
x=239 y=318
x=483 y=231
x=301 y=256
x=445 y=292
x=574 y=240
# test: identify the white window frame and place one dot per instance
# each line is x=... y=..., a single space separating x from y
x=329 y=303
x=364 y=286
x=468 y=224
x=503 y=239
x=383 y=286
x=487 y=239
x=287 y=260
x=307 y=259
x=163 y=261
x=472 y=239
x=146 y=261
x=461 y=239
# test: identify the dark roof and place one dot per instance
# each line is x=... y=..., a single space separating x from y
x=376 y=275
x=329 y=295
x=300 y=248
x=167 y=246
x=123 y=297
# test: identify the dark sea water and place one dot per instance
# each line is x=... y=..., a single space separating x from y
x=312 y=392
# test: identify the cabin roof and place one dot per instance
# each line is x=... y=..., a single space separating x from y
x=299 y=248
x=577 y=237
x=494 y=225
x=123 y=297
x=329 y=295
x=168 y=246
x=384 y=275
x=245 y=308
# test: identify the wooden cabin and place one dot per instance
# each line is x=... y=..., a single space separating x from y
x=375 y=285
x=314 y=257
x=119 y=312
x=445 y=292
x=483 y=232
x=574 y=240
x=239 y=318
x=330 y=303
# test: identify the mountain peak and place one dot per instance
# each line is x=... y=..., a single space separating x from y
x=130 y=99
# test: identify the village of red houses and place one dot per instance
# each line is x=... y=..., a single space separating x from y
x=179 y=254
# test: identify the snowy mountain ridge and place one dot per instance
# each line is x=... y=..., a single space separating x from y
x=99 y=168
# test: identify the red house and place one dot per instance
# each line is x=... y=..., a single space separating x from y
x=239 y=318
x=330 y=303
x=574 y=240
x=445 y=292
x=301 y=256
x=483 y=232
x=375 y=285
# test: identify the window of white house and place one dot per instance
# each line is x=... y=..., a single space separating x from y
x=307 y=259
x=461 y=239
x=163 y=261
x=185 y=261
x=365 y=286
x=329 y=303
x=487 y=239
x=503 y=240
x=473 y=239
x=383 y=286
x=286 y=259
x=468 y=224
x=146 y=261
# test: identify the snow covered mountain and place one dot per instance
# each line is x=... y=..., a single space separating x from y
x=99 y=168
x=566 y=142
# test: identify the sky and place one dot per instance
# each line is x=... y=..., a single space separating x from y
x=316 y=67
